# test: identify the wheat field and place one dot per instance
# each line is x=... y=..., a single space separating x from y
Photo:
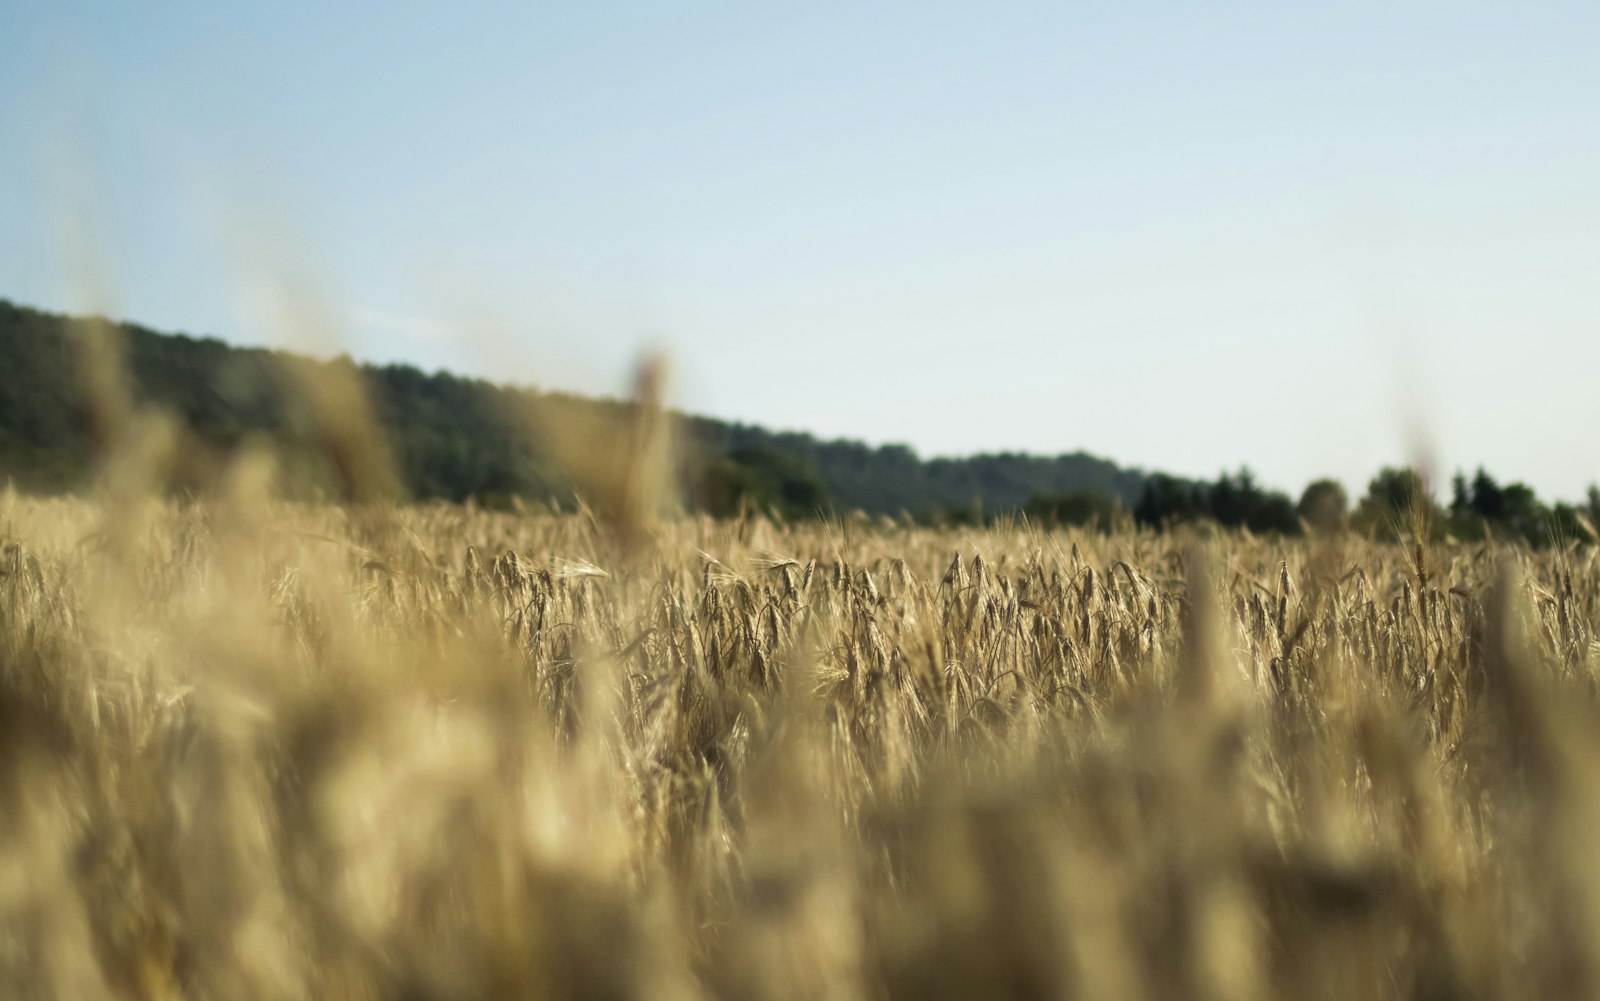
x=255 y=749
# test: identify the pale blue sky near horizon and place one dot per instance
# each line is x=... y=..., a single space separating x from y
x=1312 y=240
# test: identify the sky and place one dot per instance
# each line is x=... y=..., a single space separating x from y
x=1310 y=239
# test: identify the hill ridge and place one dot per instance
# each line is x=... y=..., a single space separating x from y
x=452 y=436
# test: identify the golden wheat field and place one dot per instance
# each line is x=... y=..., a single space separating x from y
x=261 y=750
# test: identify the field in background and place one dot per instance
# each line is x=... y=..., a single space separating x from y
x=252 y=749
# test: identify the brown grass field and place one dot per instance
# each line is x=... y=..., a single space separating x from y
x=252 y=749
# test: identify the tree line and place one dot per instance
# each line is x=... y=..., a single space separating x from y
x=459 y=439
x=1398 y=503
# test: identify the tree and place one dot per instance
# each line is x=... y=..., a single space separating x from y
x=1577 y=522
x=1460 y=496
x=1523 y=515
x=766 y=478
x=1166 y=500
x=1512 y=511
x=1238 y=501
x=1324 y=505
x=1233 y=497
x=1397 y=503
x=1487 y=500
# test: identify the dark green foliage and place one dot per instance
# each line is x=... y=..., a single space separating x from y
x=1576 y=522
x=892 y=479
x=1397 y=491
x=1234 y=501
x=458 y=438
x=1167 y=500
x=1089 y=508
x=1238 y=501
x=44 y=434
x=1513 y=511
x=1324 y=505
x=1397 y=505
x=763 y=478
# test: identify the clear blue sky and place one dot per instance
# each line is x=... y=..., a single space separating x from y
x=1310 y=238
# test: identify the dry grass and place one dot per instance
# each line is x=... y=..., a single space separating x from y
x=254 y=750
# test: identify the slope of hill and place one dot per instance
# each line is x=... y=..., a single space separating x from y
x=454 y=437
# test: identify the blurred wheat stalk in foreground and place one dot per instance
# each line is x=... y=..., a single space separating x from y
x=252 y=749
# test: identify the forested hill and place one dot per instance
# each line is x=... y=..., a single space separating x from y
x=892 y=478
x=456 y=438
